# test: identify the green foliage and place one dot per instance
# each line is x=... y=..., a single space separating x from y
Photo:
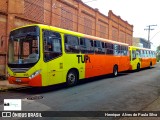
x=158 y=53
x=158 y=48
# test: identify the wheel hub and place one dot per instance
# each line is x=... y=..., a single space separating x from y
x=71 y=78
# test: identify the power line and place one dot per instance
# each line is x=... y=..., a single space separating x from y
x=155 y=35
x=149 y=29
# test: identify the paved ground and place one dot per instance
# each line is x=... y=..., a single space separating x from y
x=4 y=85
x=137 y=91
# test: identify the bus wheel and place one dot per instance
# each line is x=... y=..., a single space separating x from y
x=71 y=78
x=138 y=67
x=150 y=66
x=115 y=70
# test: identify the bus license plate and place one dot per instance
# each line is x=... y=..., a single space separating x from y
x=18 y=80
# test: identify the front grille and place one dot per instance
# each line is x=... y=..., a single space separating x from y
x=19 y=70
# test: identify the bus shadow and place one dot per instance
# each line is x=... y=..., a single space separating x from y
x=54 y=88
x=99 y=78
x=142 y=69
x=38 y=90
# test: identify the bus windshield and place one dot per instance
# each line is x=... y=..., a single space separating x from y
x=23 y=47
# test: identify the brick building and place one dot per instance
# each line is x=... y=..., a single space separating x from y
x=69 y=14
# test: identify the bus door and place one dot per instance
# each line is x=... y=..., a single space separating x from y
x=134 y=61
x=53 y=57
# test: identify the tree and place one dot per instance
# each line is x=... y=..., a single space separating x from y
x=158 y=53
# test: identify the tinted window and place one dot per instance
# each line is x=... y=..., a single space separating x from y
x=99 y=47
x=123 y=50
x=109 y=48
x=133 y=54
x=138 y=53
x=52 y=45
x=116 y=49
x=71 y=44
x=86 y=45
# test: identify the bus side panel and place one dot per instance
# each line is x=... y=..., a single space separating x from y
x=135 y=62
x=154 y=61
x=124 y=63
x=98 y=65
x=145 y=62
x=148 y=62
x=74 y=61
x=53 y=72
x=57 y=69
x=103 y=64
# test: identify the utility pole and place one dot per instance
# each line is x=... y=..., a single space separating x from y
x=149 y=29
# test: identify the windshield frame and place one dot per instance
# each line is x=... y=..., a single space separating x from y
x=20 y=33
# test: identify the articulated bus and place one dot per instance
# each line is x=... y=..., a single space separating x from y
x=141 y=58
x=41 y=55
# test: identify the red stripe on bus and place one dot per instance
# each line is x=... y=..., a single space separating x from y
x=36 y=81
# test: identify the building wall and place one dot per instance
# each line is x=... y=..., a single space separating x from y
x=69 y=14
x=135 y=41
x=141 y=41
x=145 y=43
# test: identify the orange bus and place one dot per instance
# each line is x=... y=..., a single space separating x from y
x=62 y=56
x=141 y=58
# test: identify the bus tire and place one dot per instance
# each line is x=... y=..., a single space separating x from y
x=150 y=66
x=115 y=71
x=72 y=78
x=138 y=67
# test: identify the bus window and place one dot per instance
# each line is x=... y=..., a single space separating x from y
x=86 y=45
x=82 y=45
x=150 y=54
x=109 y=47
x=133 y=54
x=116 y=49
x=125 y=50
x=154 y=54
x=52 y=45
x=138 y=53
x=145 y=55
x=122 y=48
x=98 y=47
x=90 y=46
x=71 y=44
x=103 y=48
x=141 y=53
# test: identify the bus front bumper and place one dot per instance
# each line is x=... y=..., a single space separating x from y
x=36 y=81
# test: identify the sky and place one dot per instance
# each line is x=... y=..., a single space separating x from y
x=139 y=13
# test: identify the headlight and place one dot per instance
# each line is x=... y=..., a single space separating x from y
x=35 y=74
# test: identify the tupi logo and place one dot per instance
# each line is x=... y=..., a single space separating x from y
x=83 y=58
